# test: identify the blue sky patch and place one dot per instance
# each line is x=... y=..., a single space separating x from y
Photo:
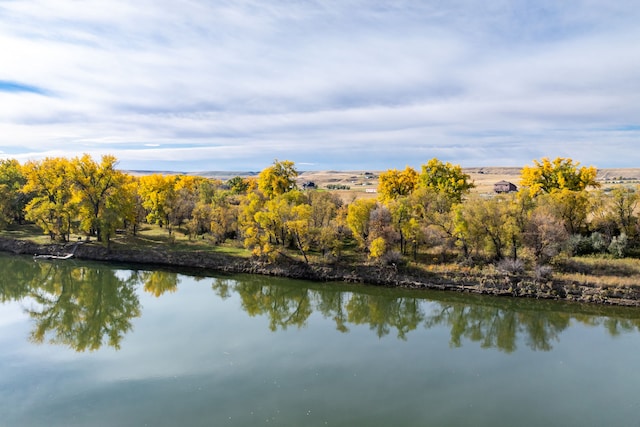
x=9 y=86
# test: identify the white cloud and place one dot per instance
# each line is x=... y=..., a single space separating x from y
x=242 y=82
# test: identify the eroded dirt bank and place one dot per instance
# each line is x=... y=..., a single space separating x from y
x=502 y=285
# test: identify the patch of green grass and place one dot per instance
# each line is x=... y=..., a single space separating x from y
x=233 y=250
x=148 y=236
x=26 y=232
x=153 y=236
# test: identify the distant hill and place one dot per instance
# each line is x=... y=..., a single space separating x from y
x=222 y=175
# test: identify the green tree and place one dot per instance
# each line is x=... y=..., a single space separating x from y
x=622 y=209
x=402 y=212
x=238 y=185
x=324 y=228
x=488 y=222
x=436 y=213
x=571 y=208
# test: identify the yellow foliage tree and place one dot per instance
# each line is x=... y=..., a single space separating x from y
x=98 y=189
x=278 y=178
x=12 y=200
x=299 y=227
x=446 y=179
x=51 y=208
x=358 y=214
x=394 y=183
x=158 y=198
x=547 y=176
x=377 y=248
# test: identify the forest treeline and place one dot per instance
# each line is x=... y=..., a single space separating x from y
x=559 y=209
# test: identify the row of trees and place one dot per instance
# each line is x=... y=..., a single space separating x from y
x=433 y=208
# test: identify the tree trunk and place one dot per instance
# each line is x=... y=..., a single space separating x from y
x=301 y=249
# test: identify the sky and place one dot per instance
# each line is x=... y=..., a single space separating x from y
x=205 y=85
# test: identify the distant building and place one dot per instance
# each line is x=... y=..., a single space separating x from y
x=309 y=185
x=504 y=187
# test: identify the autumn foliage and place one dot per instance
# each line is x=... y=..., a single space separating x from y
x=417 y=216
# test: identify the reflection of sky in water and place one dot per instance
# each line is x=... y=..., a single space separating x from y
x=193 y=358
x=11 y=313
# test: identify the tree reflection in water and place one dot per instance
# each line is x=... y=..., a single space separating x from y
x=79 y=306
x=82 y=306
x=492 y=322
x=285 y=305
x=158 y=282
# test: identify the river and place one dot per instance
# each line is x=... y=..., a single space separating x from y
x=91 y=344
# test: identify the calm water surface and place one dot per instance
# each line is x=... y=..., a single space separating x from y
x=85 y=344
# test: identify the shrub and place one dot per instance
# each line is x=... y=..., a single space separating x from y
x=583 y=245
x=618 y=246
x=392 y=258
x=543 y=272
x=579 y=245
x=511 y=266
x=598 y=243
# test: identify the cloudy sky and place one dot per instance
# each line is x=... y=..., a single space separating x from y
x=329 y=84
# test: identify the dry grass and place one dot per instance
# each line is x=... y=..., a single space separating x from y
x=483 y=177
x=598 y=281
x=361 y=181
x=600 y=271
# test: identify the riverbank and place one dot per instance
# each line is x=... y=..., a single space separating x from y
x=498 y=284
